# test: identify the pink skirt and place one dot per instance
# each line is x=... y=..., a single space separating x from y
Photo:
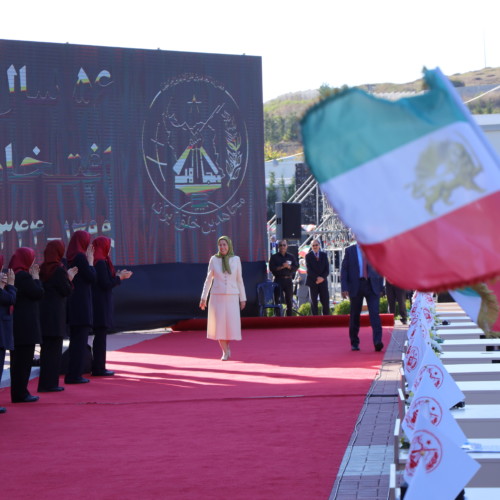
x=224 y=321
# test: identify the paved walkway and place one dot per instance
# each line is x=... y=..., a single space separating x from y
x=364 y=471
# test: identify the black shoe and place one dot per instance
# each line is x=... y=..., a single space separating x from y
x=52 y=389
x=105 y=373
x=79 y=380
x=379 y=346
x=404 y=321
x=354 y=348
x=27 y=399
x=3 y=410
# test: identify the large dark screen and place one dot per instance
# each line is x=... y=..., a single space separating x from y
x=160 y=151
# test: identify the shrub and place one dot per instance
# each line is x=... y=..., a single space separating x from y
x=343 y=307
x=384 y=306
x=305 y=309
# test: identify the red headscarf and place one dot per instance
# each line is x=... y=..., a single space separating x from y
x=78 y=243
x=102 y=246
x=52 y=257
x=22 y=259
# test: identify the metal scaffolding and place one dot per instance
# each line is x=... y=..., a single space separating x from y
x=331 y=231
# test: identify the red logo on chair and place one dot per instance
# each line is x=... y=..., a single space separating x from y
x=412 y=328
x=412 y=358
x=420 y=330
x=414 y=321
x=427 y=447
x=435 y=374
x=427 y=314
x=434 y=411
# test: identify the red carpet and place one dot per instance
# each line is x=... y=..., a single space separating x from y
x=178 y=423
x=273 y=322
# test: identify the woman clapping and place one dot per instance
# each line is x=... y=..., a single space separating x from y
x=80 y=254
x=57 y=285
x=27 y=330
x=107 y=279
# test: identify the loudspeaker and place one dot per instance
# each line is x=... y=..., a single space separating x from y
x=294 y=250
x=288 y=220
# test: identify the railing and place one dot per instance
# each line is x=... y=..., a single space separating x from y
x=334 y=235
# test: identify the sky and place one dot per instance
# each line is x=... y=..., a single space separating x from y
x=302 y=44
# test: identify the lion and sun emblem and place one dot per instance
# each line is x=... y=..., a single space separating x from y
x=442 y=168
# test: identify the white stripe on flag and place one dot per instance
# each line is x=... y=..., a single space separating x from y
x=469 y=300
x=389 y=182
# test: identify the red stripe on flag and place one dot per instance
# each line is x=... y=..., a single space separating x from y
x=452 y=251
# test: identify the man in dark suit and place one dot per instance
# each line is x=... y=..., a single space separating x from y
x=318 y=270
x=360 y=281
x=394 y=293
x=283 y=266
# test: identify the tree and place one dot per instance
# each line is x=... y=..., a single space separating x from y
x=281 y=128
x=272 y=196
x=290 y=190
x=325 y=91
x=270 y=153
x=282 y=188
x=286 y=191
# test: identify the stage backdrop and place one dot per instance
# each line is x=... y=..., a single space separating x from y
x=160 y=151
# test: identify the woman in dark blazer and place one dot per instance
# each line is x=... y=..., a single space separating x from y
x=57 y=285
x=7 y=301
x=27 y=330
x=102 y=297
x=80 y=254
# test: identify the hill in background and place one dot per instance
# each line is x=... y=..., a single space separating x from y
x=282 y=115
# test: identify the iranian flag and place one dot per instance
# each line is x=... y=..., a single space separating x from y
x=481 y=303
x=415 y=179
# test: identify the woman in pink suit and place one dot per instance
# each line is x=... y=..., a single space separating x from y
x=224 y=281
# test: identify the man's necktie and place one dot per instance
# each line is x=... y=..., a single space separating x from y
x=365 y=268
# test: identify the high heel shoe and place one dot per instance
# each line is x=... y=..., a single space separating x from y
x=225 y=357
x=228 y=351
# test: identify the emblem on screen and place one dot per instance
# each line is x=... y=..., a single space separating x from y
x=195 y=150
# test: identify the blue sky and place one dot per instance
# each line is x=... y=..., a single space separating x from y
x=302 y=44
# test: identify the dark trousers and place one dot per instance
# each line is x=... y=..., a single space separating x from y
x=320 y=289
x=287 y=290
x=2 y=361
x=394 y=293
x=21 y=360
x=78 y=341
x=99 y=350
x=50 y=362
x=373 y=302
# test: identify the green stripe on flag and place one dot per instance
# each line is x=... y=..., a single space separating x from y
x=354 y=127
